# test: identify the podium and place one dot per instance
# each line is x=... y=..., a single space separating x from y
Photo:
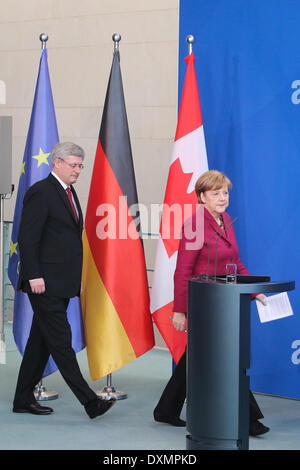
x=218 y=356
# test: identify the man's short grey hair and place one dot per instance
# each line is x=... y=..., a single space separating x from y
x=65 y=150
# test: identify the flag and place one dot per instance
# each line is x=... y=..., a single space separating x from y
x=115 y=298
x=41 y=138
x=188 y=162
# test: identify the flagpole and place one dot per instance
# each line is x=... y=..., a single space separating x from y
x=110 y=391
x=43 y=38
x=40 y=392
x=2 y=336
x=116 y=38
x=190 y=40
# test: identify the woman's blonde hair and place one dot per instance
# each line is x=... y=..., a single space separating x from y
x=212 y=179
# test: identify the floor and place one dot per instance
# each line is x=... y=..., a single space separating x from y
x=129 y=424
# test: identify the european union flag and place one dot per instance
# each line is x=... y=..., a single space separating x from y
x=42 y=137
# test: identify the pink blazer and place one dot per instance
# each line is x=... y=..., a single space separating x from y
x=193 y=262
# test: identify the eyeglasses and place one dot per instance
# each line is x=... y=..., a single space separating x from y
x=73 y=165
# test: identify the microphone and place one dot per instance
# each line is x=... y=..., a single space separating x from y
x=216 y=255
x=209 y=243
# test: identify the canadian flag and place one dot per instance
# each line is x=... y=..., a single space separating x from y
x=188 y=162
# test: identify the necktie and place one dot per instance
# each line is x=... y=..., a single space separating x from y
x=72 y=203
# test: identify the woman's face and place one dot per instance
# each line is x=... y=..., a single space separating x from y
x=216 y=200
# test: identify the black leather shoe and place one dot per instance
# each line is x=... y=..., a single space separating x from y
x=173 y=420
x=256 y=428
x=33 y=408
x=98 y=406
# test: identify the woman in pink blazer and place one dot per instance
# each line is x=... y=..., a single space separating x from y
x=196 y=256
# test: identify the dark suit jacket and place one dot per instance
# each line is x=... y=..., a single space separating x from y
x=193 y=262
x=50 y=240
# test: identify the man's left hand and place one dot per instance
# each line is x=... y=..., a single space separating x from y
x=37 y=286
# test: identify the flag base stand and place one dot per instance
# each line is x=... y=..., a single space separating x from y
x=109 y=392
x=41 y=394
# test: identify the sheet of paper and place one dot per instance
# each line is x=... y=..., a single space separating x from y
x=278 y=306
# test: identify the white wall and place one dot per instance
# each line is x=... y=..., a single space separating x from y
x=79 y=57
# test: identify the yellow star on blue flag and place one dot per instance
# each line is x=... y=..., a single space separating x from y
x=42 y=158
x=13 y=248
x=23 y=168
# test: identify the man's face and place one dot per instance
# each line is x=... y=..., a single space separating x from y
x=68 y=169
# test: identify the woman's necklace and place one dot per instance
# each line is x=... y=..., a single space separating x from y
x=220 y=221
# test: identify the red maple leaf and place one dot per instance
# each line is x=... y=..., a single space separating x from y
x=178 y=205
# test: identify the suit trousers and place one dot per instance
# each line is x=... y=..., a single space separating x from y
x=50 y=334
x=173 y=396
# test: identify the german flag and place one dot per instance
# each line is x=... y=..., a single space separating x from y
x=115 y=296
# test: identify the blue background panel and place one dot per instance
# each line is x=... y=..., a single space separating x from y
x=247 y=64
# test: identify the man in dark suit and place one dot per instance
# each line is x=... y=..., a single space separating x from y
x=51 y=261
